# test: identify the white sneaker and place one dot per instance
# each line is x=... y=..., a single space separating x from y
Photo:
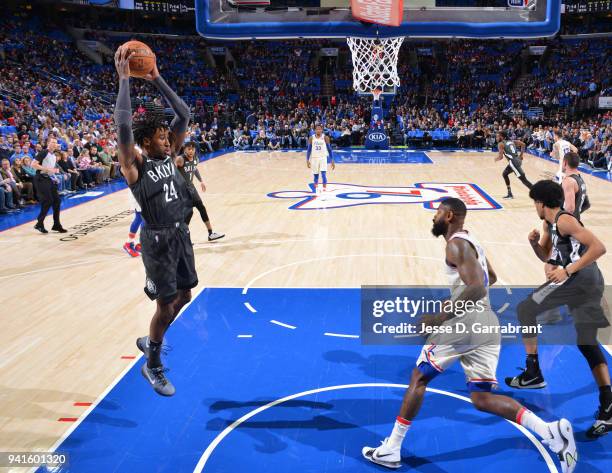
x=215 y=236
x=383 y=455
x=563 y=444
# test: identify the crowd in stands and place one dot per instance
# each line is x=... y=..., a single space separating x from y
x=268 y=95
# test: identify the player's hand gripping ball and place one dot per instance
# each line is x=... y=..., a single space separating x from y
x=142 y=59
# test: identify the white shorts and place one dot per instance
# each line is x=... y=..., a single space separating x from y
x=318 y=165
x=132 y=202
x=477 y=353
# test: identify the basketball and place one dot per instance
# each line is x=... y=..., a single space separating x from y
x=143 y=60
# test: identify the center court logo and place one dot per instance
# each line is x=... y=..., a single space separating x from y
x=429 y=194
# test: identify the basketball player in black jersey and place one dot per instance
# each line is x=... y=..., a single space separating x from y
x=575 y=198
x=187 y=165
x=575 y=201
x=508 y=149
x=574 y=279
x=162 y=193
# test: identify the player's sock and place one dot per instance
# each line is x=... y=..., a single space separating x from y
x=131 y=237
x=154 y=360
x=210 y=232
x=605 y=395
x=533 y=364
x=399 y=432
x=529 y=420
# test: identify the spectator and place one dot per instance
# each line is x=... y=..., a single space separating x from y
x=84 y=166
x=25 y=179
x=10 y=181
x=6 y=200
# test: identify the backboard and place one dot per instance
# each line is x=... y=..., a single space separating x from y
x=266 y=19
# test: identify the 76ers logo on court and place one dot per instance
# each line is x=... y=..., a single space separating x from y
x=427 y=193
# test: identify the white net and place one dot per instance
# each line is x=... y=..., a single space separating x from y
x=374 y=62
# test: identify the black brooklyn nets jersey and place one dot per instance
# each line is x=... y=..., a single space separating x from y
x=582 y=203
x=565 y=250
x=161 y=192
x=189 y=169
x=510 y=151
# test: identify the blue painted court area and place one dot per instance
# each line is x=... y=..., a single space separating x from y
x=232 y=366
x=391 y=156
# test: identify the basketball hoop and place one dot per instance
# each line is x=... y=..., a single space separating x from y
x=374 y=62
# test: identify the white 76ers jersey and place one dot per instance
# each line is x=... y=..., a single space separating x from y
x=454 y=279
x=319 y=147
x=563 y=147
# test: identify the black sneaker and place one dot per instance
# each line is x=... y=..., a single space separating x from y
x=157 y=378
x=603 y=422
x=526 y=380
x=59 y=229
x=508 y=196
x=41 y=228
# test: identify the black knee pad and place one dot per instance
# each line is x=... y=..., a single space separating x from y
x=593 y=355
x=525 y=313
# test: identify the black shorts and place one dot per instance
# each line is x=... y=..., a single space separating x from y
x=167 y=254
x=581 y=292
x=515 y=166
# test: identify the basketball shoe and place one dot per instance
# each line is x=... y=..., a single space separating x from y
x=215 y=236
x=143 y=345
x=527 y=380
x=130 y=250
x=383 y=455
x=157 y=379
x=563 y=444
x=603 y=421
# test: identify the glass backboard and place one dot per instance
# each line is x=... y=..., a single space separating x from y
x=250 y=19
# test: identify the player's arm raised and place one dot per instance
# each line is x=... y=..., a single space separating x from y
x=569 y=226
x=178 y=127
x=500 y=155
x=330 y=152
x=123 y=118
x=541 y=243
